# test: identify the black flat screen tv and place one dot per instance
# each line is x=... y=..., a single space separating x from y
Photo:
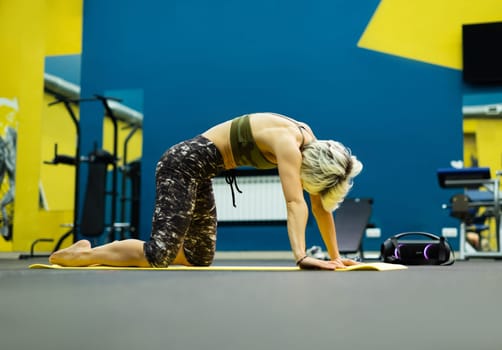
x=482 y=53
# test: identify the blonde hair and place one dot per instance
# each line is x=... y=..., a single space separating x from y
x=327 y=169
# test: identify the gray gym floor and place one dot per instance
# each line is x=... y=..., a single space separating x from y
x=424 y=307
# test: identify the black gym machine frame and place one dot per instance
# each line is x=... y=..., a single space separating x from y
x=472 y=181
x=129 y=171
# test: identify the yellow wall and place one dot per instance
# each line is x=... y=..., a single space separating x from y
x=55 y=27
x=489 y=143
x=57 y=180
x=64 y=27
x=134 y=146
x=21 y=69
x=470 y=147
x=482 y=138
x=420 y=29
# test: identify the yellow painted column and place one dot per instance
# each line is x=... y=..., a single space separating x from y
x=22 y=40
x=30 y=30
x=489 y=145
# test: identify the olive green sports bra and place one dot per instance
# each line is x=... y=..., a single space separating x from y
x=245 y=151
x=244 y=148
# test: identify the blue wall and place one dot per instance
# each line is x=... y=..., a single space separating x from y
x=201 y=62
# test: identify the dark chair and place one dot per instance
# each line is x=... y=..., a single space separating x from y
x=351 y=220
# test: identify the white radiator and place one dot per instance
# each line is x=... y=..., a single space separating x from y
x=261 y=199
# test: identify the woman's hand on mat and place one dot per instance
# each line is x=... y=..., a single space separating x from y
x=341 y=262
x=309 y=263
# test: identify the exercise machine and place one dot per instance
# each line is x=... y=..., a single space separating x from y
x=478 y=206
x=92 y=222
x=130 y=189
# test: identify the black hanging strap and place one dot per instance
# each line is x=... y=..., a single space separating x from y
x=232 y=181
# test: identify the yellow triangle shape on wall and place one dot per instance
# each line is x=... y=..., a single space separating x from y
x=426 y=30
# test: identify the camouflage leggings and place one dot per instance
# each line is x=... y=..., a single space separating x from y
x=185 y=211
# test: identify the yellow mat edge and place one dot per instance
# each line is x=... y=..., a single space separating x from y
x=377 y=266
x=171 y=268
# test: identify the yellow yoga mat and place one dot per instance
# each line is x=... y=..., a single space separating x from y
x=376 y=266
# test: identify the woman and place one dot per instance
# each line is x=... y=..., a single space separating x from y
x=184 y=220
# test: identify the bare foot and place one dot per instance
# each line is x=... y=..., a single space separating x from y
x=71 y=256
x=473 y=239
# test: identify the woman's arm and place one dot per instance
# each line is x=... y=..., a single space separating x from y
x=289 y=161
x=327 y=227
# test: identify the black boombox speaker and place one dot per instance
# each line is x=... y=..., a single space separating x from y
x=434 y=250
